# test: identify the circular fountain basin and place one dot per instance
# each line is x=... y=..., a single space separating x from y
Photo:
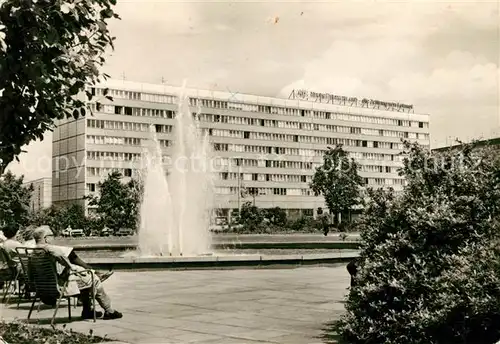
x=220 y=261
x=229 y=251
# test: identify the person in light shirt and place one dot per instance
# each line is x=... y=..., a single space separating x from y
x=82 y=280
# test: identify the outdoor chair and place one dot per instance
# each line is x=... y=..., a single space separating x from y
x=9 y=275
x=29 y=284
x=49 y=285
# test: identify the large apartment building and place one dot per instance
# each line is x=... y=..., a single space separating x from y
x=269 y=146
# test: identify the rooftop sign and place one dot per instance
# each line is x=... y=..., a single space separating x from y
x=328 y=98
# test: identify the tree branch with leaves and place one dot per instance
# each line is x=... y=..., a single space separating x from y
x=50 y=50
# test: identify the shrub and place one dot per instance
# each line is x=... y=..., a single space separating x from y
x=251 y=217
x=19 y=333
x=276 y=216
x=303 y=224
x=430 y=260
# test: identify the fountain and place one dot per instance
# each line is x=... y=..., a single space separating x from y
x=176 y=209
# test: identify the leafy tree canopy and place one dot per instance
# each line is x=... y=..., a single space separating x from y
x=49 y=51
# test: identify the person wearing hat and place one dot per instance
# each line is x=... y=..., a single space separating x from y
x=66 y=255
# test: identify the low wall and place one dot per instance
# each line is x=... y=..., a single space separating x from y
x=339 y=245
x=221 y=262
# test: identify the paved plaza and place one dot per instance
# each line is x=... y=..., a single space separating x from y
x=289 y=306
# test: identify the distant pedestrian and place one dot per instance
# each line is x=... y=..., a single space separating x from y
x=352 y=268
x=323 y=218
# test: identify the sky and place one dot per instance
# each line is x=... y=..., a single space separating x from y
x=442 y=57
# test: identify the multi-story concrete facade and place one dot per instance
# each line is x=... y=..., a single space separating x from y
x=41 y=196
x=269 y=147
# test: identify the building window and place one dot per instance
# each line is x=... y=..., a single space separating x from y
x=127 y=172
x=375 y=144
x=246 y=135
x=307 y=212
x=420 y=124
x=365 y=144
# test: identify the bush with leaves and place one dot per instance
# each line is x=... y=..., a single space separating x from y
x=251 y=217
x=276 y=216
x=429 y=268
x=304 y=224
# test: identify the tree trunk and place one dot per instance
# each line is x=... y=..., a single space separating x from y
x=336 y=220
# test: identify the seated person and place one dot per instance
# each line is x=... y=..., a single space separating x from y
x=83 y=280
x=11 y=243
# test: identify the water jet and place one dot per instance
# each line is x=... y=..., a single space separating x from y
x=178 y=200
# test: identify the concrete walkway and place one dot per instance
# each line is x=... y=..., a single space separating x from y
x=290 y=306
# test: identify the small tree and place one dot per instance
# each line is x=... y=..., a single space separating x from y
x=428 y=268
x=49 y=52
x=338 y=181
x=14 y=200
x=250 y=216
x=117 y=203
